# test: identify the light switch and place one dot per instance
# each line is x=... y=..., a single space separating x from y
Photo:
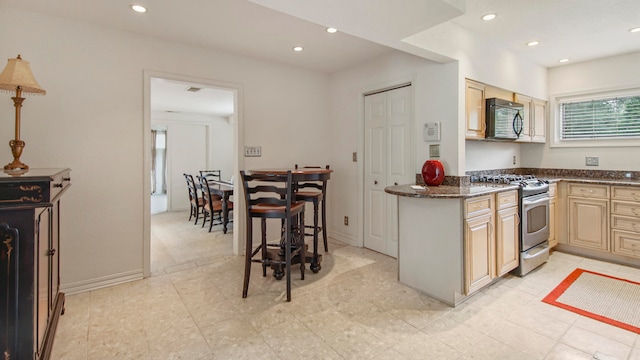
x=252 y=151
x=434 y=150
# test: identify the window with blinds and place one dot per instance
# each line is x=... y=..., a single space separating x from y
x=606 y=118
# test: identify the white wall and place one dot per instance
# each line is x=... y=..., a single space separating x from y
x=435 y=99
x=605 y=74
x=91 y=120
x=480 y=59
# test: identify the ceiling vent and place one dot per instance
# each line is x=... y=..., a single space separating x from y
x=193 y=89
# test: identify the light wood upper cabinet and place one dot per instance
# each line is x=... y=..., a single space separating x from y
x=534 y=119
x=475 y=113
x=539 y=121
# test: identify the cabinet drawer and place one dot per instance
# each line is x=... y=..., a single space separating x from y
x=625 y=193
x=478 y=206
x=625 y=223
x=59 y=182
x=507 y=199
x=591 y=191
x=626 y=243
x=625 y=208
x=553 y=189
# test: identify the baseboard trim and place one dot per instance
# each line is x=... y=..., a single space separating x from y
x=343 y=238
x=102 y=282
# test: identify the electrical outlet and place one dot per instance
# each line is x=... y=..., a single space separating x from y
x=591 y=161
x=346 y=221
x=252 y=151
x=434 y=150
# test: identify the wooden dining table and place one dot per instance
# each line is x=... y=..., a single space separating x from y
x=300 y=175
x=225 y=190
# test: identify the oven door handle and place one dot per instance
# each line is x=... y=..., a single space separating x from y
x=536 y=200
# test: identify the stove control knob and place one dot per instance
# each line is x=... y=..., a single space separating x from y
x=545 y=181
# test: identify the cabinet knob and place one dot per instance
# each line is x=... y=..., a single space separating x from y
x=66 y=179
x=375 y=182
x=57 y=185
x=395 y=183
x=52 y=252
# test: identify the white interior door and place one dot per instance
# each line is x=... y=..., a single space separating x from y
x=388 y=161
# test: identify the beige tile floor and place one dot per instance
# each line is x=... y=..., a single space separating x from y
x=354 y=308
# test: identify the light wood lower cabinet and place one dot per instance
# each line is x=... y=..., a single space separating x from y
x=625 y=221
x=553 y=215
x=479 y=252
x=491 y=238
x=588 y=223
x=507 y=239
x=588 y=216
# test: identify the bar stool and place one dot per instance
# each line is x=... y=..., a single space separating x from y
x=314 y=190
x=270 y=196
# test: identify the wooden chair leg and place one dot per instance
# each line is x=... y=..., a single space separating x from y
x=287 y=256
x=263 y=228
x=302 y=252
x=247 y=260
x=324 y=226
x=315 y=230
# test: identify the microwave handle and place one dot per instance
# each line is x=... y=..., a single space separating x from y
x=518 y=124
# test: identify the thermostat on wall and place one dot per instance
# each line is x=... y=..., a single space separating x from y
x=431 y=131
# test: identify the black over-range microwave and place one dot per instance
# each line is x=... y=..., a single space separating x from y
x=504 y=119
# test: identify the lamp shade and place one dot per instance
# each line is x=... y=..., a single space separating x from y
x=17 y=74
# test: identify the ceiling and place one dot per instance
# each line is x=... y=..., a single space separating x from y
x=268 y=29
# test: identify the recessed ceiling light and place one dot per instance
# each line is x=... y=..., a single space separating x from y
x=489 y=17
x=634 y=30
x=331 y=30
x=563 y=60
x=533 y=43
x=139 y=8
x=297 y=48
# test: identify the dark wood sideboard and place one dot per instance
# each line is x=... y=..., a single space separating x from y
x=30 y=300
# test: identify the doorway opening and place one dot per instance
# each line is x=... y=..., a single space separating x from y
x=201 y=121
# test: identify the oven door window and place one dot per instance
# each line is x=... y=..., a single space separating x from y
x=536 y=219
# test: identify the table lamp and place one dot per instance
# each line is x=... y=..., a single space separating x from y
x=17 y=77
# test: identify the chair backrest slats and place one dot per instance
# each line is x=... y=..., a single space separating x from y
x=257 y=192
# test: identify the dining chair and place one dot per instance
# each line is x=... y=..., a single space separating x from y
x=212 y=175
x=196 y=202
x=212 y=209
x=315 y=191
x=270 y=196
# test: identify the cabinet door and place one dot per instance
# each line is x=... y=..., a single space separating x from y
x=479 y=252
x=553 y=240
x=43 y=277
x=507 y=240
x=527 y=130
x=539 y=121
x=588 y=223
x=475 y=105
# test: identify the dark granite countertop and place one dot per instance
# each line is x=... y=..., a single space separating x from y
x=449 y=192
x=597 y=181
x=479 y=189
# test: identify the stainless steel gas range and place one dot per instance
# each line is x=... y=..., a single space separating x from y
x=534 y=217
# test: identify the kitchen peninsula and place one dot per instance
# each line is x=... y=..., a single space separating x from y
x=455 y=240
x=446 y=244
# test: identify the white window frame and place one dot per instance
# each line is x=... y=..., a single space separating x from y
x=555 y=120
